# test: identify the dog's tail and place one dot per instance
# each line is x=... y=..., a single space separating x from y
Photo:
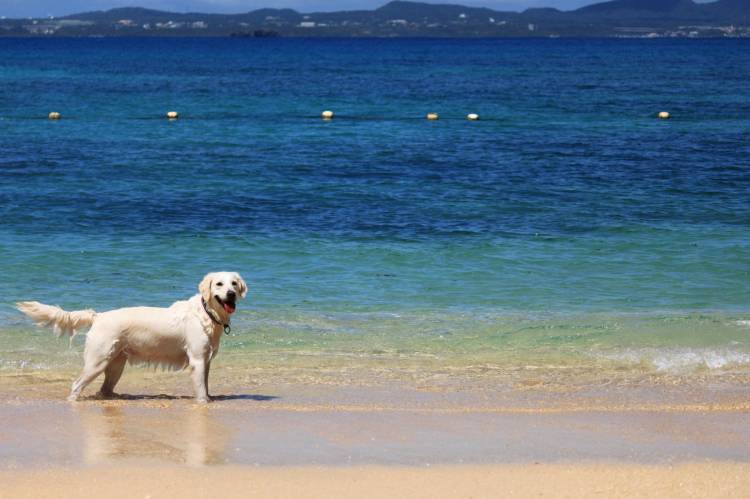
x=61 y=321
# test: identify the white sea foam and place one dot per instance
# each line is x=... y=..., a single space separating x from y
x=743 y=323
x=683 y=359
x=15 y=365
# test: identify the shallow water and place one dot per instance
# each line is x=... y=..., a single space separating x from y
x=567 y=227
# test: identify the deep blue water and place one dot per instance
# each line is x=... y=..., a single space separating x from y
x=567 y=197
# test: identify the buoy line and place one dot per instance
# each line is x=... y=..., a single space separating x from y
x=326 y=115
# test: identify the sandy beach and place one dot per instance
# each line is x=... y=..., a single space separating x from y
x=384 y=440
x=547 y=480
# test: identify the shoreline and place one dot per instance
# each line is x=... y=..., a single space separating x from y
x=390 y=424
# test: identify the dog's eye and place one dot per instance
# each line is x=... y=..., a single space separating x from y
x=234 y=283
x=220 y=284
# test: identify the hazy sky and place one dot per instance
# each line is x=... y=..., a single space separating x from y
x=39 y=8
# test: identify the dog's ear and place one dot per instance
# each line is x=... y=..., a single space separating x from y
x=205 y=287
x=242 y=284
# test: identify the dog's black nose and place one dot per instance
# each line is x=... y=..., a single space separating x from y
x=231 y=295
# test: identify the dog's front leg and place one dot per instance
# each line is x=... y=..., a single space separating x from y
x=198 y=350
x=199 y=374
x=205 y=377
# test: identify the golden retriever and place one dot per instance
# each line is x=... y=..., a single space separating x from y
x=187 y=334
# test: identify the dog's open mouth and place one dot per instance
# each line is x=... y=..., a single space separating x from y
x=229 y=305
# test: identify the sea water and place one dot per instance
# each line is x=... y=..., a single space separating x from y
x=568 y=226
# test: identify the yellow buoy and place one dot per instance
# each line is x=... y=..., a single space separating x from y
x=433 y=116
x=664 y=115
x=327 y=115
x=173 y=115
x=55 y=115
x=472 y=117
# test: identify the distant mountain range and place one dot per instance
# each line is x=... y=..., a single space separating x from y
x=617 y=18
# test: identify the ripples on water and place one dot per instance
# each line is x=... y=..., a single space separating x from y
x=567 y=199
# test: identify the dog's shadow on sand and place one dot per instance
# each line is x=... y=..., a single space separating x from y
x=214 y=398
x=244 y=396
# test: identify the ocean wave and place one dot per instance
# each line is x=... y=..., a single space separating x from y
x=679 y=360
x=21 y=364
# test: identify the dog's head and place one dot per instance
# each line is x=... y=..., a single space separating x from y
x=221 y=289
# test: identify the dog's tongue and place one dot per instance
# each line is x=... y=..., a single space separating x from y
x=229 y=308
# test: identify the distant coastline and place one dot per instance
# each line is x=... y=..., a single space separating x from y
x=615 y=19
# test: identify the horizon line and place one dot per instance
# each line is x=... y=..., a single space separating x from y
x=448 y=3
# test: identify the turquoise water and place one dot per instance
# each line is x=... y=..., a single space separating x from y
x=568 y=224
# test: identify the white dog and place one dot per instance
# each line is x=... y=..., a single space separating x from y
x=186 y=334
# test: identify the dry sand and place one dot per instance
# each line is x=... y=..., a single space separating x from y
x=529 y=480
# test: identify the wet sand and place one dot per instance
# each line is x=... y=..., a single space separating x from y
x=384 y=439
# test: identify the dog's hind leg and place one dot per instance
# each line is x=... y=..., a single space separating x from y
x=112 y=375
x=96 y=357
x=90 y=372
